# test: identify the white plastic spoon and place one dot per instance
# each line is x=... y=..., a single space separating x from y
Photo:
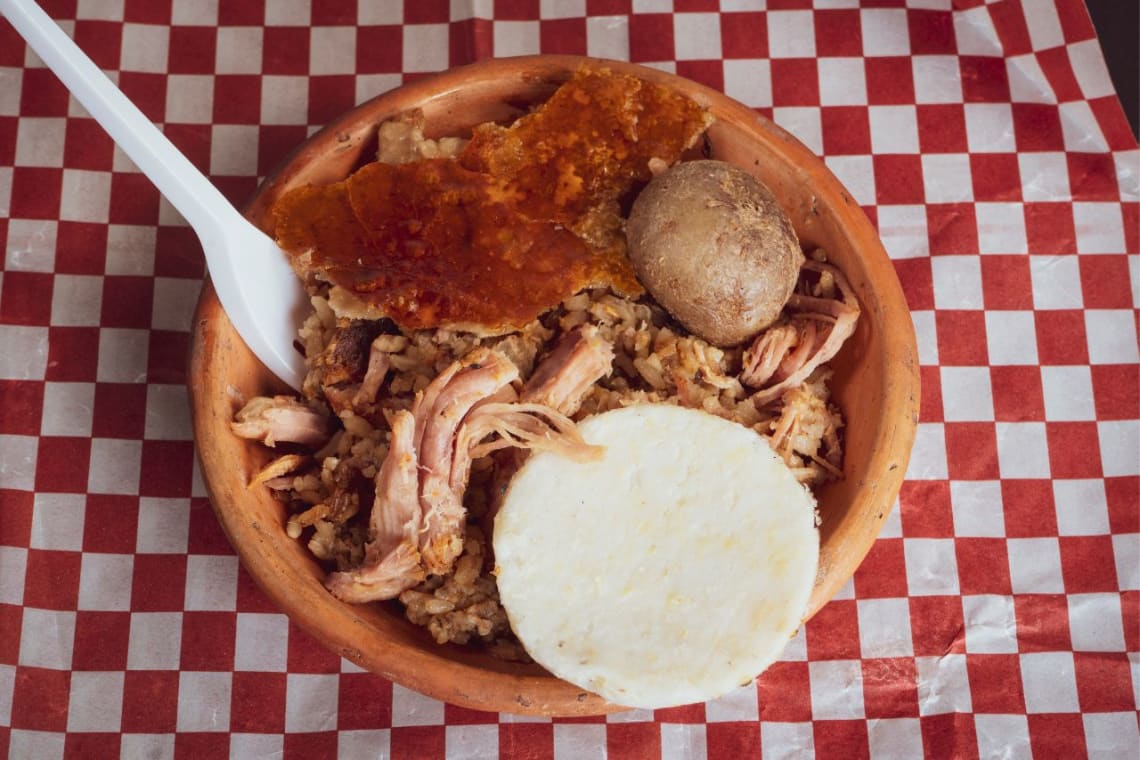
x=255 y=284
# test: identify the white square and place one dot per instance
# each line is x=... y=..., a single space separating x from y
x=652 y=6
x=310 y=702
x=894 y=738
x=163 y=526
x=989 y=128
x=1082 y=507
x=742 y=703
x=787 y=741
x=1068 y=393
x=515 y=38
x=18 y=453
x=926 y=333
x=1027 y=81
x=1090 y=69
x=884 y=628
x=1011 y=338
x=885 y=31
x=1080 y=129
x=931 y=566
x=233 y=150
x=1044 y=27
x=1128 y=171
x=857 y=174
x=478 y=741
x=1044 y=177
x=696 y=36
x=155 y=641
x=1126 y=553
x=288 y=13
x=1001 y=228
x=791 y=34
x=261 y=642
x=957 y=282
x=991 y=625
x=239 y=50
x=1119 y=442
x=892 y=524
x=332 y=50
x=1099 y=227
x=39 y=141
x=561 y=8
x=578 y=740
x=836 y=689
x=608 y=37
x=57 y=521
x=77 y=300
x=115 y=466
x=977 y=508
x=174 y=302
x=105 y=581
x=85 y=196
x=903 y=231
x=410 y=708
x=947 y=178
x=943 y=685
x=750 y=82
x=258 y=746
x=47 y=638
x=1111 y=335
x=31 y=245
x=147 y=745
x=42 y=745
x=966 y=394
x=1004 y=736
x=369 y=745
x=122 y=355
x=5 y=190
x=95 y=702
x=145 y=48
x=796 y=648
x=928 y=456
x=1106 y=733
x=806 y=123
x=1035 y=566
x=1022 y=450
x=7 y=687
x=189 y=99
x=104 y=10
x=383 y=14
x=636 y=715
x=285 y=100
x=194 y=12
x=1056 y=282
x=130 y=249
x=167 y=413
x=11 y=88
x=937 y=79
x=1049 y=682
x=204 y=701
x=894 y=129
x=683 y=741
x=426 y=47
x=13 y=570
x=975 y=33
x=842 y=82
x=1096 y=623
x=369 y=86
x=211 y=582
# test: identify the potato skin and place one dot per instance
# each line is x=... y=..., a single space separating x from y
x=713 y=247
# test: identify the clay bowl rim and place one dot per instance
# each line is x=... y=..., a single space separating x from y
x=473 y=681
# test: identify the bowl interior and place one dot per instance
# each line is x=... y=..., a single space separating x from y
x=875 y=385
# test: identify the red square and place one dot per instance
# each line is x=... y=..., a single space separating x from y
x=882 y=573
x=937 y=625
x=708 y=73
x=1009 y=22
x=1123 y=495
x=841 y=738
x=62 y=464
x=453 y=715
x=1075 y=22
x=1061 y=337
x=379 y=49
x=205 y=533
x=208 y=640
x=632 y=741
x=1093 y=176
x=931 y=32
x=120 y=410
x=890 y=688
x=40 y=698
x=35 y=192
x=1057 y=735
x=12 y=46
x=898 y=179
x=1131 y=213
x=134 y=200
x=274 y=143
x=177 y=253
x=1087 y=564
x=111 y=524
x=192 y=50
x=890 y=81
x=286 y=50
x=563 y=35
x=521 y=740
x=92 y=745
x=995 y=683
x=11 y=620
x=1042 y=623
x=744 y=35
x=1037 y=127
x=984 y=79
x=608 y=7
x=971 y=450
x=917 y=281
x=147 y=91
x=1130 y=612
x=1105 y=283
x=846 y=130
x=1049 y=228
x=795 y=82
x=87 y=146
x=150 y=701
x=73 y=354
x=334 y=13
x=651 y=37
x=983 y=566
x=21 y=413
x=329 y=97
x=201 y=745
x=127 y=301
x=365 y=701
x=1006 y=283
x=733 y=739
x=469 y=40
x=838 y=33
x=167 y=468
x=1029 y=508
x=16 y=527
x=1113 y=123
x=81 y=247
x=305 y=655
x=41 y=94
x=930 y=402
x=696 y=6
x=516 y=10
x=257 y=702
x=925 y=509
x=785 y=692
x=694 y=713
x=25 y=298
x=952 y=227
x=1067 y=438
x=8 y=141
x=101 y=640
x=146 y=12
x=426 y=11
x=237 y=99
x=1058 y=69
x=833 y=634
x=949 y=736
x=158 y=583
x=167 y=356
x=241 y=13
x=250 y=597
x=996 y=176
x=322 y=744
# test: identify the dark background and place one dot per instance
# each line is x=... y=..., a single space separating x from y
x=1118 y=27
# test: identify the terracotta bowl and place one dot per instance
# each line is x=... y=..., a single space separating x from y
x=876 y=381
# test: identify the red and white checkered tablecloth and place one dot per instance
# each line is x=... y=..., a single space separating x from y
x=997 y=616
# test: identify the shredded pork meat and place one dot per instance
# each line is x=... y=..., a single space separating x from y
x=281 y=419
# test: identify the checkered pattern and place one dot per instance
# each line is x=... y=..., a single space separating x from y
x=999 y=613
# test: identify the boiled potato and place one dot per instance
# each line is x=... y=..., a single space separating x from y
x=712 y=246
